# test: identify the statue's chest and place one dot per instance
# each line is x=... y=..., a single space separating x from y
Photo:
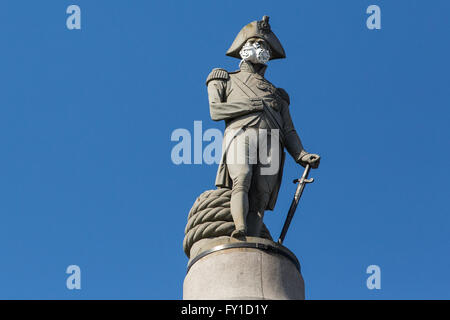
x=260 y=84
x=252 y=85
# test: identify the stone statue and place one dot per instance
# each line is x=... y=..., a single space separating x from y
x=258 y=128
x=231 y=252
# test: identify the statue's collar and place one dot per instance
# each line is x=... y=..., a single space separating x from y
x=251 y=68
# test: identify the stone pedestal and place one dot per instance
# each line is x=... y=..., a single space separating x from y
x=227 y=269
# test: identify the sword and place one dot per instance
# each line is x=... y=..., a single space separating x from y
x=298 y=193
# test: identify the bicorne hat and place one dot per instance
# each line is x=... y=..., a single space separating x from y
x=257 y=29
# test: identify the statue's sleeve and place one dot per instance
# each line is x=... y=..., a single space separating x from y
x=292 y=140
x=221 y=109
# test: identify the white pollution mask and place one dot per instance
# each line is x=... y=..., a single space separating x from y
x=254 y=53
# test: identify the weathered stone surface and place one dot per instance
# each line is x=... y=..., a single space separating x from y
x=244 y=273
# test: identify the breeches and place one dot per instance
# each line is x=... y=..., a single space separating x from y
x=253 y=159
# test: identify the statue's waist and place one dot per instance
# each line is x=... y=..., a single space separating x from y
x=257 y=119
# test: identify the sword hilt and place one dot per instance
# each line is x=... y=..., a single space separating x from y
x=304 y=178
x=310 y=180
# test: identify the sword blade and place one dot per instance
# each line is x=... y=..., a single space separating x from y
x=298 y=194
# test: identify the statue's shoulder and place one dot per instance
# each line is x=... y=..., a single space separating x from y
x=217 y=74
x=283 y=95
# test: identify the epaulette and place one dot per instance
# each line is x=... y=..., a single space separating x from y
x=217 y=73
x=284 y=95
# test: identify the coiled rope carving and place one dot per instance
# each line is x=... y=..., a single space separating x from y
x=210 y=217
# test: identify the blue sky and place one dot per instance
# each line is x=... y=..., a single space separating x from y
x=86 y=117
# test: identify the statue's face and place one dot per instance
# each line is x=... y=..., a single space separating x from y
x=258 y=42
x=255 y=50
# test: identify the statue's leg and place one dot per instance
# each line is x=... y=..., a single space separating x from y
x=240 y=171
x=263 y=184
x=259 y=197
x=258 y=200
x=241 y=175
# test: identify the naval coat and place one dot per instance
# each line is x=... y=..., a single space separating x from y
x=244 y=98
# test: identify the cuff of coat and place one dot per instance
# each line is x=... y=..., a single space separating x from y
x=302 y=154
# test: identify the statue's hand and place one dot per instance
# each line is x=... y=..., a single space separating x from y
x=273 y=103
x=257 y=104
x=309 y=158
